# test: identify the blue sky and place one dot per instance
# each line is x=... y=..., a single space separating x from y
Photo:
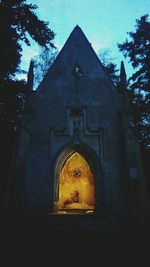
x=104 y=22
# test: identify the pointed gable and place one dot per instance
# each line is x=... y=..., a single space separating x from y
x=77 y=53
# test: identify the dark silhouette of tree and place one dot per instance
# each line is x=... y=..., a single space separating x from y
x=12 y=105
x=18 y=21
x=137 y=49
x=112 y=71
x=18 y=24
x=109 y=66
x=42 y=63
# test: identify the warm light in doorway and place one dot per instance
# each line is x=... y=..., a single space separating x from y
x=76 y=185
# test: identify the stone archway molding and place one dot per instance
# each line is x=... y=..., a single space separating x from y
x=94 y=164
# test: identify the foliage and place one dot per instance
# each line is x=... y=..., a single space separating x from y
x=17 y=19
x=42 y=63
x=19 y=24
x=112 y=71
x=12 y=104
x=110 y=67
x=137 y=49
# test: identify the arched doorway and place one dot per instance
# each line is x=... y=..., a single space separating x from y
x=75 y=185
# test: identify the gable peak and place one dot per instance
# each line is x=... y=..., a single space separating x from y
x=77 y=30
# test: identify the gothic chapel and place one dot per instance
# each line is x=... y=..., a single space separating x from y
x=76 y=153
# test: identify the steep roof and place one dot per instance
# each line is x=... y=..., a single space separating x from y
x=76 y=51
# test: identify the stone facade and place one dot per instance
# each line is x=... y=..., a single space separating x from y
x=75 y=108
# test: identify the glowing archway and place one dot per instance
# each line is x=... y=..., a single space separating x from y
x=76 y=184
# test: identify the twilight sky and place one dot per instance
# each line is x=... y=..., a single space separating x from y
x=104 y=22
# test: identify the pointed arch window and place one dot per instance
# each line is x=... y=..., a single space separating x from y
x=76 y=184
